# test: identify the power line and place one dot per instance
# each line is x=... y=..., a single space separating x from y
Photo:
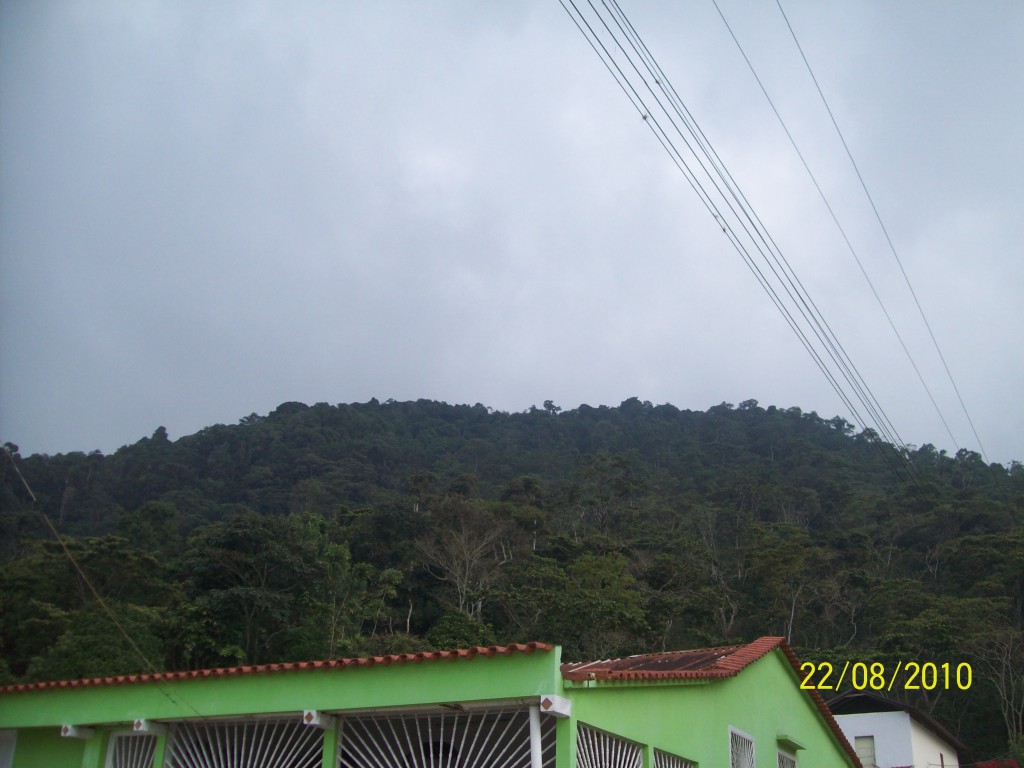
x=718 y=191
x=790 y=282
x=885 y=231
x=839 y=226
x=88 y=583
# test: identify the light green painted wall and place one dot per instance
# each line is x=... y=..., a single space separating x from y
x=688 y=720
x=39 y=747
x=39 y=714
x=693 y=721
x=480 y=678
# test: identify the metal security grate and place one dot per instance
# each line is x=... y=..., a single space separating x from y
x=130 y=750
x=597 y=749
x=484 y=739
x=665 y=760
x=245 y=744
x=742 y=751
x=786 y=761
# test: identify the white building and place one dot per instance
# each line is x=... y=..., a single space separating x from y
x=888 y=734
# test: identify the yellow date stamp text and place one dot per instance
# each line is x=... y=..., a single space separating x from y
x=876 y=676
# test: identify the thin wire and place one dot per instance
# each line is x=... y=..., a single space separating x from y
x=674 y=154
x=795 y=288
x=796 y=291
x=99 y=599
x=839 y=226
x=736 y=195
x=885 y=231
x=738 y=207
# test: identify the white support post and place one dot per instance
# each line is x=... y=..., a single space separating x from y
x=559 y=706
x=69 y=731
x=536 y=757
x=148 y=727
x=318 y=719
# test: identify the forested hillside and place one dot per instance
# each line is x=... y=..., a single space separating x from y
x=324 y=531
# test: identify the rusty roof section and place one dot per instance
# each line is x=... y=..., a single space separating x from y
x=702 y=664
x=367 y=661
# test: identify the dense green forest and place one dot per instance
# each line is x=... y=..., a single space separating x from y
x=325 y=531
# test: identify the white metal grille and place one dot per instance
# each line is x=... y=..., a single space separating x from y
x=665 y=760
x=786 y=761
x=131 y=750
x=742 y=750
x=597 y=749
x=245 y=744
x=484 y=739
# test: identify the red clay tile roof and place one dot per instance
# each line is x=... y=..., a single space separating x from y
x=370 y=661
x=702 y=664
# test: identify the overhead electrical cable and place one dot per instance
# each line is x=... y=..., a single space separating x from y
x=839 y=226
x=677 y=159
x=746 y=217
x=95 y=593
x=885 y=230
x=727 y=180
x=827 y=336
x=718 y=191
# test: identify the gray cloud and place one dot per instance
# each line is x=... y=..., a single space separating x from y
x=208 y=210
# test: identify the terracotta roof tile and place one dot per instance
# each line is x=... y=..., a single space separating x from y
x=400 y=658
x=702 y=664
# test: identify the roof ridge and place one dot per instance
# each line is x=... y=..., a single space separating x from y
x=746 y=655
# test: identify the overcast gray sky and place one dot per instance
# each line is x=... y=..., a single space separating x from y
x=207 y=209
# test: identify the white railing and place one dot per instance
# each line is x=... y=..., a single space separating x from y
x=459 y=739
x=245 y=744
x=130 y=750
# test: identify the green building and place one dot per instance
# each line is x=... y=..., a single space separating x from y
x=513 y=706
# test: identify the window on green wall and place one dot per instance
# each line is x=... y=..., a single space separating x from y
x=741 y=749
x=599 y=749
x=668 y=760
x=786 y=760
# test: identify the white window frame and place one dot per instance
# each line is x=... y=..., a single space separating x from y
x=624 y=752
x=662 y=759
x=753 y=747
x=788 y=756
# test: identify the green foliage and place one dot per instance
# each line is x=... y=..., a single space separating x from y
x=97 y=645
x=370 y=528
x=457 y=630
x=602 y=608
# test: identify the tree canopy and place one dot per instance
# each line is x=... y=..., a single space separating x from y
x=337 y=530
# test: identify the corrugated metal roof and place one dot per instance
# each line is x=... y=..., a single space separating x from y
x=368 y=661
